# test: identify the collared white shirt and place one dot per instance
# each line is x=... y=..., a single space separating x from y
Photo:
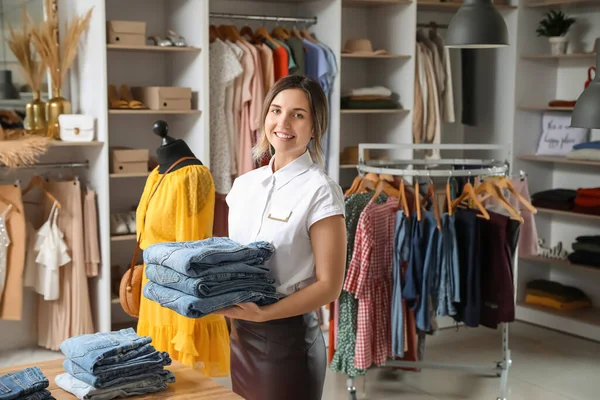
x=280 y=208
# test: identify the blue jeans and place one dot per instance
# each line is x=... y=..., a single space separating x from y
x=223 y=272
x=446 y=288
x=83 y=391
x=41 y=395
x=429 y=271
x=93 y=350
x=195 y=307
x=22 y=383
x=196 y=287
x=401 y=252
x=184 y=257
x=151 y=361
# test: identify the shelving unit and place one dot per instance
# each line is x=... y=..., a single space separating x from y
x=541 y=77
x=60 y=143
x=374 y=3
x=122 y=238
x=449 y=6
x=155 y=112
x=131 y=175
x=376 y=57
x=153 y=48
x=369 y=111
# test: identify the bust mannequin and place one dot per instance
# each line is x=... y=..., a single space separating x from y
x=171 y=149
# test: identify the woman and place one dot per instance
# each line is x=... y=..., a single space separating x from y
x=278 y=351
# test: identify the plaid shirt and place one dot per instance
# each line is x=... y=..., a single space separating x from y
x=370 y=280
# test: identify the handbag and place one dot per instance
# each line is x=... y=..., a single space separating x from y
x=76 y=127
x=130 y=289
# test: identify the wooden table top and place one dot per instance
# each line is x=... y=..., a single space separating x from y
x=189 y=383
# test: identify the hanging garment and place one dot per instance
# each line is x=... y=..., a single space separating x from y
x=257 y=88
x=71 y=314
x=418 y=104
x=90 y=225
x=181 y=210
x=224 y=68
x=433 y=127
x=267 y=63
x=4 y=243
x=343 y=358
x=292 y=66
x=332 y=71
x=370 y=280
x=447 y=97
x=281 y=60
x=232 y=92
x=401 y=255
x=11 y=301
x=296 y=47
x=47 y=252
x=245 y=136
x=236 y=108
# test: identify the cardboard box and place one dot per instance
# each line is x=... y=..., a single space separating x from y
x=129 y=161
x=130 y=33
x=164 y=97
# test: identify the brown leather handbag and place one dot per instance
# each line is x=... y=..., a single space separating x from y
x=130 y=290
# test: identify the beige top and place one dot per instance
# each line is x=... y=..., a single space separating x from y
x=90 y=227
x=266 y=55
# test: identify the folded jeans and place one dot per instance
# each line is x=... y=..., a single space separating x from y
x=90 y=351
x=167 y=277
x=195 y=307
x=83 y=391
x=40 y=395
x=22 y=383
x=184 y=257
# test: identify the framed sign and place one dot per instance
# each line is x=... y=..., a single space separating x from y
x=558 y=138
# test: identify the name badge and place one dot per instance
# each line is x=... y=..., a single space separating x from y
x=278 y=214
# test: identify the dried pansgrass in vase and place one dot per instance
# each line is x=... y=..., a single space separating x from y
x=58 y=58
x=20 y=44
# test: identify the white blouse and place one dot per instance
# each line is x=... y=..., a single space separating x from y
x=280 y=208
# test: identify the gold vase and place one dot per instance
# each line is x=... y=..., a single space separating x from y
x=35 y=114
x=54 y=107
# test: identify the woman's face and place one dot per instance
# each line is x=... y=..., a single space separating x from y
x=289 y=123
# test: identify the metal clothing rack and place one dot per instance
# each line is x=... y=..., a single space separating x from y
x=489 y=168
x=79 y=164
x=307 y=21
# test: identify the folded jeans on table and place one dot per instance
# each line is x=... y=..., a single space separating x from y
x=16 y=385
x=93 y=350
x=195 y=307
x=108 y=377
x=41 y=395
x=167 y=277
x=83 y=391
x=184 y=257
x=223 y=272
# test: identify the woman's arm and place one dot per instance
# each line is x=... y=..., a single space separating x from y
x=328 y=238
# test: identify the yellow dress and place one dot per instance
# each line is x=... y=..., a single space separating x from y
x=181 y=210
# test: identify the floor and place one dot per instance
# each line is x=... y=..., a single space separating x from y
x=547 y=365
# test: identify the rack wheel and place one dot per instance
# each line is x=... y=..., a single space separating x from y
x=501 y=398
x=352 y=396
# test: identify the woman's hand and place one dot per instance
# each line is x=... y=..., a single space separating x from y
x=245 y=311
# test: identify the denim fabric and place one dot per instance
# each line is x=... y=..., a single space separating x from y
x=115 y=378
x=194 y=286
x=41 y=395
x=92 y=350
x=401 y=253
x=83 y=391
x=414 y=272
x=195 y=307
x=223 y=272
x=22 y=383
x=185 y=257
x=432 y=253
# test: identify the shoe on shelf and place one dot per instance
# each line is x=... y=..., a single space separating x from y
x=158 y=41
x=176 y=39
x=118 y=226
x=126 y=95
x=114 y=99
x=130 y=219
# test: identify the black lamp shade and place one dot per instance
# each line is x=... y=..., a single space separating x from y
x=477 y=25
x=586 y=113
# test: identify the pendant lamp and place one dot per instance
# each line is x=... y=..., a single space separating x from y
x=477 y=25
x=586 y=113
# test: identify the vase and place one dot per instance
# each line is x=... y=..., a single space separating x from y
x=558 y=45
x=56 y=106
x=35 y=114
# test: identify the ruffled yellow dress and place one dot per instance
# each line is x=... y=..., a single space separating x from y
x=182 y=210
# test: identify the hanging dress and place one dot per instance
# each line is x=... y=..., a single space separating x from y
x=181 y=210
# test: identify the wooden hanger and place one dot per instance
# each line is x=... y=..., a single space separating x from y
x=505 y=183
x=235 y=33
x=280 y=33
x=355 y=184
x=417 y=200
x=213 y=33
x=306 y=35
x=247 y=32
x=496 y=193
x=385 y=187
x=367 y=184
x=402 y=201
x=38 y=181
x=469 y=193
x=448 y=197
x=224 y=33
x=263 y=32
x=436 y=210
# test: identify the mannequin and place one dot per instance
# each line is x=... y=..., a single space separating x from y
x=171 y=149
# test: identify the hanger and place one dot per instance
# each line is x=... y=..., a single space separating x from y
x=354 y=186
x=295 y=32
x=448 y=196
x=249 y=33
x=402 y=201
x=417 y=200
x=506 y=183
x=433 y=29
x=469 y=193
x=213 y=33
x=264 y=33
x=495 y=192
x=385 y=187
x=235 y=33
x=38 y=181
x=280 y=33
x=436 y=210
x=306 y=35
x=366 y=185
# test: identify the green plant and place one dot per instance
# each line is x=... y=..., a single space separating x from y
x=556 y=23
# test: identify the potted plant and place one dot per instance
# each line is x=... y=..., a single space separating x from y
x=555 y=26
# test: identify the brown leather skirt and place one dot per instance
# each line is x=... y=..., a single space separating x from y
x=280 y=359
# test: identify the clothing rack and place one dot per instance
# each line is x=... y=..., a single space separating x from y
x=307 y=21
x=80 y=164
x=433 y=25
x=489 y=168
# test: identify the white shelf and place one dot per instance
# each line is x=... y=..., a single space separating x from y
x=572 y=56
x=60 y=143
x=368 y=111
x=559 y=160
x=373 y=3
x=376 y=57
x=544 y=108
x=554 y=3
x=584 y=323
x=122 y=238
x=132 y=175
x=569 y=214
x=158 y=49
x=559 y=263
x=152 y=112
x=348 y=166
x=453 y=6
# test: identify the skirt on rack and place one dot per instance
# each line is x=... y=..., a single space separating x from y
x=279 y=359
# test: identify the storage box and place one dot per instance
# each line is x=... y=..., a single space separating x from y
x=130 y=33
x=129 y=161
x=164 y=97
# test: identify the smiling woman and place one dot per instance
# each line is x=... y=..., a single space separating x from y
x=278 y=351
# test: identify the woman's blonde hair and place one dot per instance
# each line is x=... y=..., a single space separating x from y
x=318 y=108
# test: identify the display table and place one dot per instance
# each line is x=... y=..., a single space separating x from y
x=189 y=383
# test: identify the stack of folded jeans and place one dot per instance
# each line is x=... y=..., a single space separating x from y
x=198 y=278
x=104 y=366
x=28 y=384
